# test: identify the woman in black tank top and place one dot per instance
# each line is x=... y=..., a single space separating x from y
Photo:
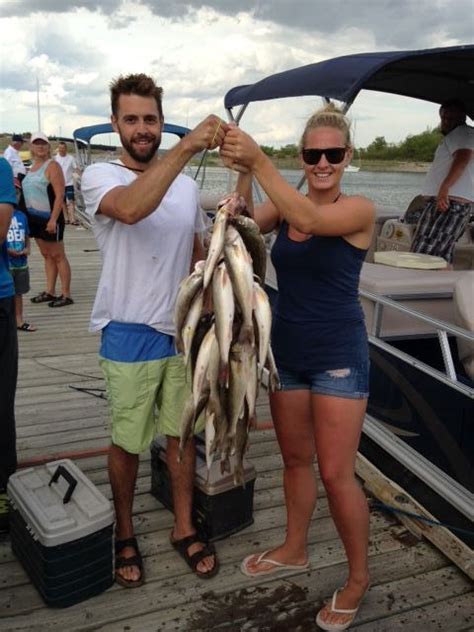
x=320 y=345
x=45 y=183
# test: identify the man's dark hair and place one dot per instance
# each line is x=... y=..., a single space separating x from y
x=139 y=84
x=61 y=142
x=454 y=104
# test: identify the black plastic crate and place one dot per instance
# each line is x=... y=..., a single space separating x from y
x=220 y=507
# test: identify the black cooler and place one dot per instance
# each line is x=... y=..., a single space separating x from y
x=61 y=529
x=220 y=507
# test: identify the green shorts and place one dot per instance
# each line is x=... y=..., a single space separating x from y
x=146 y=396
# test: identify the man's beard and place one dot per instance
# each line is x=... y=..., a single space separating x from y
x=139 y=157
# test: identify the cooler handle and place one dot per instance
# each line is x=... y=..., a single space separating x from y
x=62 y=471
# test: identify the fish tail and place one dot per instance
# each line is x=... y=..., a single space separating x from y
x=225 y=465
x=246 y=335
x=224 y=374
x=275 y=384
x=239 y=475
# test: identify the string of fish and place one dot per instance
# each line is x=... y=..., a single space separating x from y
x=223 y=324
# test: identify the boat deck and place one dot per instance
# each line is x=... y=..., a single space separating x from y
x=414 y=586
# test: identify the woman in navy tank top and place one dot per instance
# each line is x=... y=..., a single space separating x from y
x=320 y=345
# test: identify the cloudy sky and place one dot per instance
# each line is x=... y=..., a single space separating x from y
x=199 y=50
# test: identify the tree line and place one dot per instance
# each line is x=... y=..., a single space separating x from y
x=415 y=148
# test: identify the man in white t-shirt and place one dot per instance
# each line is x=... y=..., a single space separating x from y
x=69 y=166
x=147 y=221
x=449 y=186
x=12 y=154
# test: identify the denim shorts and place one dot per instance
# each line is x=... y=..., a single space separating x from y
x=69 y=192
x=348 y=382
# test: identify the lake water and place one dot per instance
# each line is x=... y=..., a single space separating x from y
x=388 y=189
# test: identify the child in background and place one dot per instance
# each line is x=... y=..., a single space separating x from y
x=18 y=248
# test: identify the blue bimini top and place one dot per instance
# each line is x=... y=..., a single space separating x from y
x=318 y=320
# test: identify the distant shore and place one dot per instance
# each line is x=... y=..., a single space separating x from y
x=394 y=165
x=364 y=165
x=286 y=163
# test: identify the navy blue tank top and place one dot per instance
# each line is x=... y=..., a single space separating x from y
x=318 y=322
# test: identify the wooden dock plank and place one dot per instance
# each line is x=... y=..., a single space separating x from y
x=411 y=581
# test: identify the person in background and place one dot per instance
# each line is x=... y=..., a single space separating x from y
x=68 y=165
x=43 y=191
x=8 y=345
x=12 y=154
x=320 y=345
x=148 y=224
x=448 y=185
x=18 y=248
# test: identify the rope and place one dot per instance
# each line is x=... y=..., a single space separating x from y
x=90 y=391
x=53 y=368
x=435 y=523
x=216 y=132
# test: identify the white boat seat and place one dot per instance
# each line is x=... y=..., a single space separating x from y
x=414 y=209
x=397 y=232
x=397 y=235
x=429 y=291
x=463 y=303
x=410 y=260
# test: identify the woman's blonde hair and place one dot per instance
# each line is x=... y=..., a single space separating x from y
x=328 y=116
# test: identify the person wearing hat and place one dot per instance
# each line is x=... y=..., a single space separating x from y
x=12 y=154
x=43 y=190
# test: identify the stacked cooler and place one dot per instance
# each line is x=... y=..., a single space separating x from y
x=62 y=531
x=220 y=507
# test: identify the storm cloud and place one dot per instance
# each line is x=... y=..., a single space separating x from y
x=200 y=49
x=393 y=24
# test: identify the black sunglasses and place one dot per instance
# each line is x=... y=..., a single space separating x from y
x=334 y=155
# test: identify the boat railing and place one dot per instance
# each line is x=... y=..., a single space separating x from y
x=443 y=330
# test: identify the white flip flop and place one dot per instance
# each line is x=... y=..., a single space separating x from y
x=335 y=627
x=276 y=566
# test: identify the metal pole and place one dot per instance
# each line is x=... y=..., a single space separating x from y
x=38 y=111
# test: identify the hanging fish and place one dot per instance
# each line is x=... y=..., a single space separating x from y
x=223 y=320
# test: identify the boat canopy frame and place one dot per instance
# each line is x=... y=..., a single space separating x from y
x=83 y=136
x=434 y=75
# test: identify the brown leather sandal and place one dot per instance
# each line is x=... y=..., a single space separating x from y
x=182 y=546
x=43 y=297
x=128 y=562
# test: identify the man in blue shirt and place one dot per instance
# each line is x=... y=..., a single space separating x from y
x=8 y=344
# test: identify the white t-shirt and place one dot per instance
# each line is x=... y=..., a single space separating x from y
x=13 y=157
x=68 y=164
x=143 y=263
x=462 y=137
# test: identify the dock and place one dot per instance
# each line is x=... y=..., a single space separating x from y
x=61 y=410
